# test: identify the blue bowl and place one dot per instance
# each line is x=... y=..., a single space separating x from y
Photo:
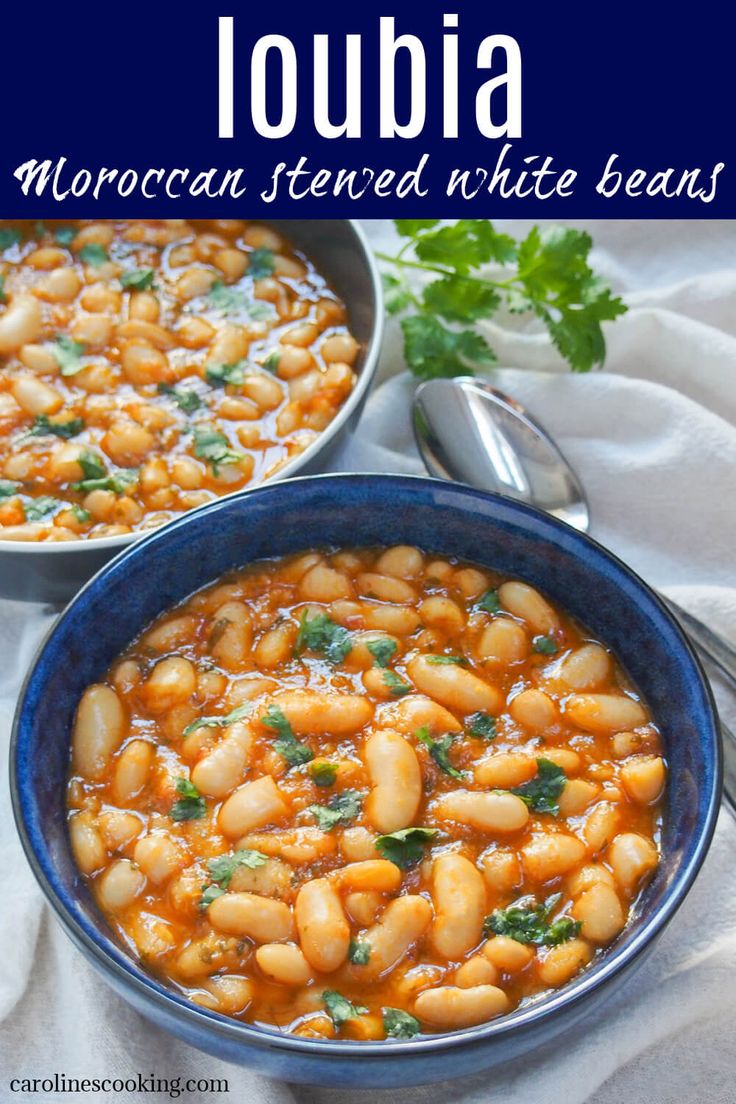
x=161 y=570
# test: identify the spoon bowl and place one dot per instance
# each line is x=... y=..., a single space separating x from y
x=468 y=431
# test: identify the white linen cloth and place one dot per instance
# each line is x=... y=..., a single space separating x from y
x=653 y=438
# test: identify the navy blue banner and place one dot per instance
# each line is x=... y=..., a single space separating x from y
x=485 y=110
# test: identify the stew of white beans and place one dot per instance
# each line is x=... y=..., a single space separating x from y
x=369 y=793
x=147 y=367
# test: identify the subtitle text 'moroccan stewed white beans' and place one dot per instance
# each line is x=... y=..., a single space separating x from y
x=147 y=367
x=364 y=793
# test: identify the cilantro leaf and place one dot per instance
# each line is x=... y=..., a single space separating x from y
x=359 y=952
x=118 y=482
x=8 y=488
x=542 y=792
x=382 y=650
x=396 y=684
x=405 y=848
x=322 y=772
x=459 y=299
x=222 y=868
x=219 y=375
x=82 y=515
x=409 y=228
x=340 y=809
x=439 y=750
x=528 y=922
x=261 y=263
x=433 y=350
x=191 y=805
x=93 y=254
x=481 y=725
x=339 y=1008
x=465 y=245
x=399 y=1024
x=213 y=446
x=210 y=893
x=67 y=354
x=2 y=288
x=271 y=363
x=137 y=279
x=489 y=602
x=9 y=236
x=225 y=299
x=447 y=661
x=294 y=752
x=65 y=235
x=545 y=645
x=218 y=721
x=397 y=295
x=39 y=228
x=322 y=635
x=186 y=398
x=43 y=426
x=41 y=507
x=92 y=465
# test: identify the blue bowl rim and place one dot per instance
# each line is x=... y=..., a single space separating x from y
x=115 y=962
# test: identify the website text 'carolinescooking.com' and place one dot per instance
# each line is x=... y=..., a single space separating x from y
x=173 y=1087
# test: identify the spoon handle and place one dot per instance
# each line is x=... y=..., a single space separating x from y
x=713 y=647
x=729 y=768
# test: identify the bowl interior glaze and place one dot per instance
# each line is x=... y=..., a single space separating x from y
x=160 y=571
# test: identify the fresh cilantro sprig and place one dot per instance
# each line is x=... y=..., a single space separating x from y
x=527 y=921
x=359 y=952
x=137 y=279
x=547 y=274
x=44 y=427
x=395 y=684
x=481 y=725
x=542 y=792
x=439 y=750
x=399 y=1024
x=286 y=743
x=41 y=507
x=382 y=650
x=214 y=447
x=186 y=398
x=220 y=375
x=322 y=772
x=222 y=868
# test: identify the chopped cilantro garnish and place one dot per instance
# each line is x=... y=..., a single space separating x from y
x=340 y=809
x=119 y=482
x=489 y=602
x=440 y=660
x=2 y=288
x=359 y=952
x=93 y=254
x=542 y=792
x=40 y=507
x=396 y=685
x=382 y=650
x=210 y=893
x=340 y=1008
x=260 y=263
x=481 y=725
x=218 y=721
x=67 y=354
x=190 y=805
x=186 y=398
x=271 y=363
x=322 y=635
x=8 y=488
x=222 y=868
x=92 y=465
x=286 y=744
x=9 y=236
x=137 y=279
x=439 y=750
x=399 y=1024
x=322 y=772
x=528 y=922
x=65 y=235
x=82 y=515
x=405 y=848
x=219 y=375
x=225 y=299
x=43 y=426
x=545 y=645
x=213 y=446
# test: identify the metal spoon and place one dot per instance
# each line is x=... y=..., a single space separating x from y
x=469 y=432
